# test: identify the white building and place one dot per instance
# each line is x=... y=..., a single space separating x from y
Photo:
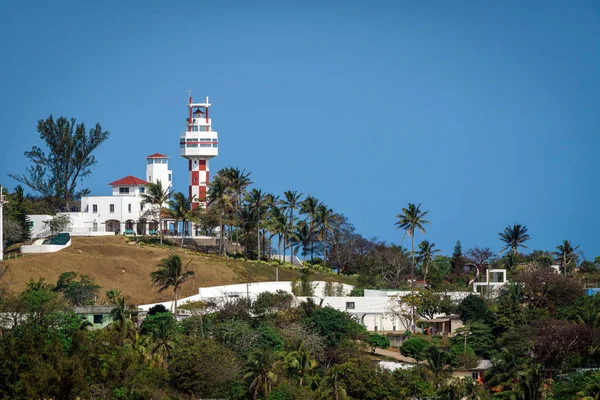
x=121 y=212
x=372 y=310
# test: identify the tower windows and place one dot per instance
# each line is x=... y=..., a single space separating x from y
x=129 y=207
x=95 y=208
x=169 y=177
x=112 y=208
x=123 y=190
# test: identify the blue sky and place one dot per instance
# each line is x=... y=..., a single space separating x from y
x=488 y=113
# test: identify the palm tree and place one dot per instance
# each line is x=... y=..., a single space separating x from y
x=324 y=218
x=303 y=237
x=277 y=222
x=301 y=362
x=170 y=273
x=122 y=316
x=237 y=181
x=412 y=218
x=219 y=197
x=425 y=254
x=181 y=210
x=259 y=371
x=162 y=339
x=332 y=386
x=290 y=202
x=257 y=201
x=514 y=237
x=565 y=254
x=156 y=196
x=309 y=206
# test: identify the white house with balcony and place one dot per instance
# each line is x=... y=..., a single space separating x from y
x=121 y=212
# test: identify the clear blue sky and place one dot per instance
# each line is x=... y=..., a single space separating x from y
x=488 y=114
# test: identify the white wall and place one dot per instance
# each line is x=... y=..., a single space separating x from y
x=44 y=248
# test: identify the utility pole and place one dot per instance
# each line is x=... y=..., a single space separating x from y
x=2 y=201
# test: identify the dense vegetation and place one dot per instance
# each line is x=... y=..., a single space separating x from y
x=541 y=333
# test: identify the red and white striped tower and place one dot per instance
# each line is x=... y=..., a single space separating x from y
x=198 y=144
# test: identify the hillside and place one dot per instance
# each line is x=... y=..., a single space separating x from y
x=116 y=264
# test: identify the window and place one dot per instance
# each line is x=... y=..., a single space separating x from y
x=129 y=207
x=124 y=190
x=475 y=375
x=95 y=208
x=141 y=207
x=192 y=145
x=149 y=178
x=112 y=208
x=142 y=189
x=164 y=160
x=95 y=227
x=98 y=318
x=149 y=161
x=205 y=145
x=215 y=145
x=169 y=177
x=350 y=305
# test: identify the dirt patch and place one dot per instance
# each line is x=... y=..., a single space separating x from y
x=116 y=264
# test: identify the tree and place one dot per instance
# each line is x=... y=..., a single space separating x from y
x=181 y=210
x=335 y=325
x=415 y=348
x=203 y=368
x=68 y=162
x=412 y=218
x=310 y=206
x=237 y=181
x=375 y=340
x=257 y=202
x=474 y=308
x=259 y=373
x=80 y=292
x=425 y=255
x=477 y=335
x=324 y=216
x=157 y=197
x=220 y=198
x=170 y=273
x=290 y=202
x=12 y=231
x=301 y=362
x=58 y=223
x=514 y=237
x=565 y=255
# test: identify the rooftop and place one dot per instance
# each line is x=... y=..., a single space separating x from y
x=129 y=181
x=157 y=155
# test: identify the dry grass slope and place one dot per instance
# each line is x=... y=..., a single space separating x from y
x=116 y=264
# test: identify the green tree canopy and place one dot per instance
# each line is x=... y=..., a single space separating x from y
x=69 y=159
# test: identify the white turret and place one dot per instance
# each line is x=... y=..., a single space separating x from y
x=157 y=169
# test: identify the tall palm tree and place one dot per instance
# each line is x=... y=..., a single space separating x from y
x=332 y=386
x=277 y=223
x=219 y=197
x=324 y=218
x=309 y=206
x=514 y=237
x=425 y=255
x=411 y=219
x=565 y=254
x=257 y=202
x=259 y=371
x=170 y=273
x=237 y=181
x=157 y=196
x=181 y=210
x=290 y=202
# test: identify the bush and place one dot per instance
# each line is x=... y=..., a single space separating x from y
x=375 y=340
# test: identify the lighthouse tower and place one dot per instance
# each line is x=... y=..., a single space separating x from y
x=198 y=144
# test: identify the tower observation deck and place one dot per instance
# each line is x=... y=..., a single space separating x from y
x=198 y=144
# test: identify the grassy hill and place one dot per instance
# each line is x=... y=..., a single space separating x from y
x=115 y=263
